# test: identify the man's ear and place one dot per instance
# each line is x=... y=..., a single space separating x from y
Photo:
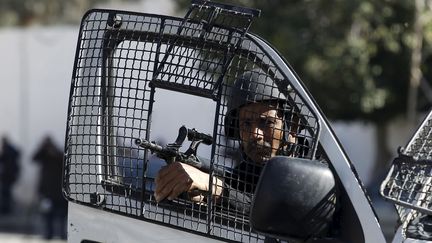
x=293 y=124
x=280 y=113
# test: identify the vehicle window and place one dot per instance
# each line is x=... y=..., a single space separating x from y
x=144 y=80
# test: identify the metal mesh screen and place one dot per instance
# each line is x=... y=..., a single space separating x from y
x=124 y=61
x=408 y=182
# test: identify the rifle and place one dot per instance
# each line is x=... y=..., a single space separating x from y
x=170 y=153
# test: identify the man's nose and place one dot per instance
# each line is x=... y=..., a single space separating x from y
x=257 y=133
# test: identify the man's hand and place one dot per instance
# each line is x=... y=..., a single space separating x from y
x=177 y=177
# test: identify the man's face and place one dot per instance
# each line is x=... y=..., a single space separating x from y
x=261 y=131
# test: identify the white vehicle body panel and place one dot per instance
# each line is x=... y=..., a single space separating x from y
x=85 y=223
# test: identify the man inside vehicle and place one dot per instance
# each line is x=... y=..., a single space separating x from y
x=260 y=117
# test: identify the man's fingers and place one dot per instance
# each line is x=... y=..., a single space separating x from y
x=165 y=170
x=171 y=181
x=198 y=198
x=167 y=175
x=175 y=186
x=176 y=178
x=182 y=184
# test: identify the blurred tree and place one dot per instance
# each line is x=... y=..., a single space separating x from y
x=24 y=12
x=356 y=57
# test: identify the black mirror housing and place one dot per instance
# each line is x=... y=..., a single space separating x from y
x=294 y=199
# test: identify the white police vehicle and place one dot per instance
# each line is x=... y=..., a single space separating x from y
x=140 y=76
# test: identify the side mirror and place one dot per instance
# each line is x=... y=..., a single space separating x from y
x=294 y=199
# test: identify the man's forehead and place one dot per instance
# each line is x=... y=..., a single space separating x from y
x=258 y=108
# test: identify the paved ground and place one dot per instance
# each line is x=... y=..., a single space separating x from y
x=23 y=226
x=25 y=238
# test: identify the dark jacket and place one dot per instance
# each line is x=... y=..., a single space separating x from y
x=51 y=160
x=240 y=185
x=9 y=164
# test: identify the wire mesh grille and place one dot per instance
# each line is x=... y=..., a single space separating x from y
x=408 y=182
x=123 y=61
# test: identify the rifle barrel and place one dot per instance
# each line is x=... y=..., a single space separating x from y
x=148 y=145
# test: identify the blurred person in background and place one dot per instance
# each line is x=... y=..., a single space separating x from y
x=9 y=173
x=53 y=206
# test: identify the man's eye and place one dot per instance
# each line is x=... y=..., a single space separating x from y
x=246 y=124
x=270 y=123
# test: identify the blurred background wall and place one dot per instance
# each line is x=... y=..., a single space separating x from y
x=35 y=81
